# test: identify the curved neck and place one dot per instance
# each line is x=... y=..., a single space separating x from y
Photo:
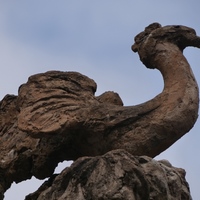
x=180 y=98
x=175 y=69
x=177 y=105
x=179 y=81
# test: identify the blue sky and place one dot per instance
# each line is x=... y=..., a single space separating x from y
x=95 y=38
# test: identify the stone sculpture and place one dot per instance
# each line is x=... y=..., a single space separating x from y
x=57 y=117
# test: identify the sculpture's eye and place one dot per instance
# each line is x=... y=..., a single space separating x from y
x=191 y=31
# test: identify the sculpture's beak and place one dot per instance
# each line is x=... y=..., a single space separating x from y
x=191 y=40
x=196 y=41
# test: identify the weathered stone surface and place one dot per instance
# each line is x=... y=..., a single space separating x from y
x=56 y=115
x=116 y=175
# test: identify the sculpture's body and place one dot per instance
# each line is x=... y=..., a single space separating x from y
x=56 y=116
x=138 y=129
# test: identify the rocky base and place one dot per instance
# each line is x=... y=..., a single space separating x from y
x=116 y=175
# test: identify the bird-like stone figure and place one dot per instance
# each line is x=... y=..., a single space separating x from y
x=56 y=115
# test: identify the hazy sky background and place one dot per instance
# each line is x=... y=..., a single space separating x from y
x=95 y=38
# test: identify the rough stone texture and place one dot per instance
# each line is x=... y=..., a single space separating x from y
x=57 y=117
x=116 y=175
